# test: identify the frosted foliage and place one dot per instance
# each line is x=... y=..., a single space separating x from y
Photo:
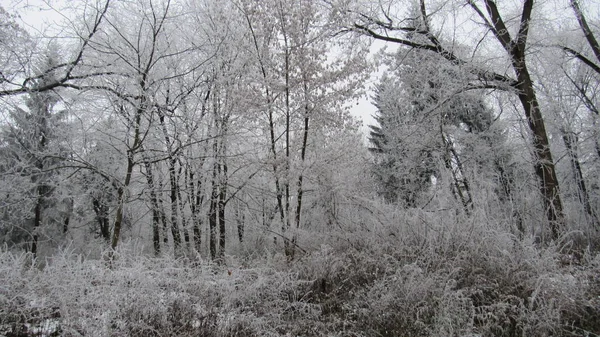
x=468 y=280
x=428 y=122
x=15 y=49
x=191 y=168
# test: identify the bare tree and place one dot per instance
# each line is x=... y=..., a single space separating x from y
x=65 y=74
x=302 y=92
x=148 y=75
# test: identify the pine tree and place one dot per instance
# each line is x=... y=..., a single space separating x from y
x=429 y=127
x=31 y=149
x=403 y=168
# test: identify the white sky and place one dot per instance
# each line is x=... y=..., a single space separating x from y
x=35 y=15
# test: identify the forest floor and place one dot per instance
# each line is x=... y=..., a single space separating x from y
x=482 y=284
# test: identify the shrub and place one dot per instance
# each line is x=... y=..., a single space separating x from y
x=466 y=280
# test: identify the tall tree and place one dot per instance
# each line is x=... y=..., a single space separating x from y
x=427 y=128
x=34 y=149
x=304 y=85
x=513 y=38
x=150 y=70
x=404 y=168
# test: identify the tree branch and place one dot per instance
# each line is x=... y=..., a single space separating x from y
x=500 y=30
x=521 y=41
x=581 y=58
x=24 y=88
x=589 y=35
x=485 y=76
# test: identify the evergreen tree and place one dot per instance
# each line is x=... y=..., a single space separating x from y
x=429 y=127
x=32 y=147
x=404 y=167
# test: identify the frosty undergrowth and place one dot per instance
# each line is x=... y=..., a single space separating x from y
x=477 y=283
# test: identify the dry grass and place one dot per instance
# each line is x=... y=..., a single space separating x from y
x=455 y=279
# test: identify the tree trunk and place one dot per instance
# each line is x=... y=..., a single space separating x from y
x=223 y=181
x=302 y=159
x=596 y=137
x=66 y=222
x=184 y=222
x=68 y=214
x=155 y=207
x=289 y=249
x=240 y=219
x=174 y=209
x=37 y=221
x=272 y=139
x=41 y=131
x=121 y=195
x=587 y=32
x=174 y=188
x=131 y=151
x=101 y=210
x=118 y=217
x=544 y=164
x=196 y=200
x=163 y=215
x=570 y=140
x=212 y=215
x=221 y=206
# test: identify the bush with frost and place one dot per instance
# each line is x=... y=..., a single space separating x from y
x=451 y=277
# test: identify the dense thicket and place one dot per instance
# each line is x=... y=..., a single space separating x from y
x=192 y=168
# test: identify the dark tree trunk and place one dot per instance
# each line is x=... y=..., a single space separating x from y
x=570 y=140
x=41 y=132
x=155 y=208
x=131 y=151
x=240 y=219
x=67 y=215
x=214 y=205
x=184 y=222
x=196 y=200
x=269 y=102
x=101 y=210
x=288 y=248
x=156 y=231
x=221 y=206
x=585 y=28
x=174 y=187
x=37 y=222
x=544 y=164
x=66 y=222
x=212 y=219
x=174 y=209
x=163 y=214
x=119 y=216
x=299 y=184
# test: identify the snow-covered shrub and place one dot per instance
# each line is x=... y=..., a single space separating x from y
x=456 y=277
